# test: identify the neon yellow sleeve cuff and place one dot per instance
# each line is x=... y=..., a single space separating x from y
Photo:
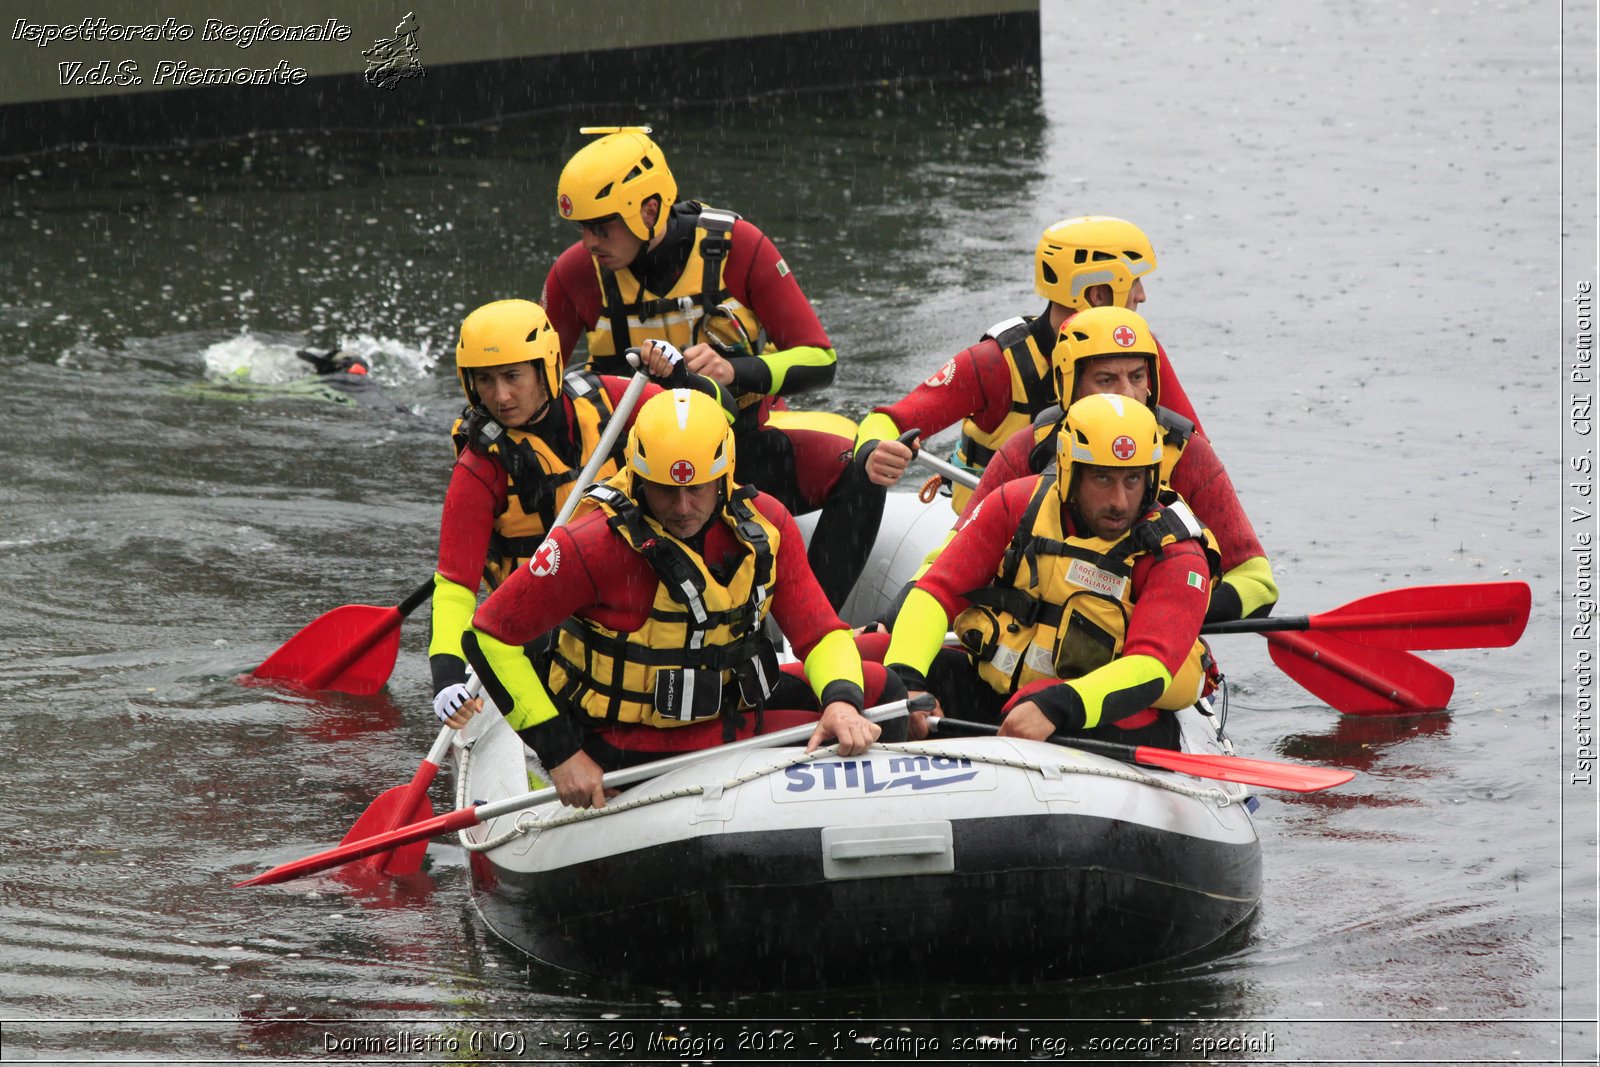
x=780 y=362
x=453 y=606
x=1120 y=688
x=876 y=427
x=919 y=630
x=1252 y=580
x=834 y=659
x=513 y=672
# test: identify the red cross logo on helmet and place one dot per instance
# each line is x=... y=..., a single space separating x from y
x=1124 y=336
x=1123 y=447
x=682 y=472
x=565 y=203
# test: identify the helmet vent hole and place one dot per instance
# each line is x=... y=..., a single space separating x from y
x=605 y=191
x=1081 y=256
x=1100 y=257
x=1131 y=254
x=1049 y=274
x=632 y=174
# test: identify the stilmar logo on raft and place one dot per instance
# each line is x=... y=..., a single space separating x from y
x=873 y=775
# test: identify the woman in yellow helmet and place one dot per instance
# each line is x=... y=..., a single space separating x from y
x=657 y=601
x=520 y=444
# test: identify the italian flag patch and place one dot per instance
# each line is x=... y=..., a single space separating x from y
x=1196 y=581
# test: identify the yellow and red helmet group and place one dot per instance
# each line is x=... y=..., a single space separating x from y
x=614 y=176
x=1075 y=254
x=680 y=438
x=1107 y=430
x=504 y=332
x=1102 y=333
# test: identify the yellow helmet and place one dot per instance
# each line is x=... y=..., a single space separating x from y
x=1107 y=430
x=509 y=331
x=681 y=437
x=1075 y=254
x=1097 y=333
x=615 y=176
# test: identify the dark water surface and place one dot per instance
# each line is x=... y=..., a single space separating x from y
x=1359 y=214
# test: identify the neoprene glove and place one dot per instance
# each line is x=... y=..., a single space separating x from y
x=449 y=699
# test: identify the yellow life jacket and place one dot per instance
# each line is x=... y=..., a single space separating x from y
x=630 y=315
x=701 y=652
x=1059 y=606
x=539 y=476
x=1032 y=390
x=1175 y=433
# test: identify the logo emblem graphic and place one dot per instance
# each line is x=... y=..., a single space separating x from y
x=547 y=560
x=391 y=60
x=1124 y=336
x=682 y=472
x=1123 y=447
x=942 y=376
x=565 y=203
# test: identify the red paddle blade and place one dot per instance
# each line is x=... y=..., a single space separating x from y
x=351 y=649
x=394 y=808
x=459 y=819
x=1295 y=778
x=1467 y=615
x=1359 y=679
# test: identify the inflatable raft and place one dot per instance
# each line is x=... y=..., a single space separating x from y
x=971 y=860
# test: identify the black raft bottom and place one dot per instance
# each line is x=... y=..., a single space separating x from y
x=1027 y=902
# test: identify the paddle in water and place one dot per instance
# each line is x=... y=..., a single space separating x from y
x=408 y=803
x=350 y=649
x=351 y=850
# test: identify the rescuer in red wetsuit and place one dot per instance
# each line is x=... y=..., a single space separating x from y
x=520 y=445
x=1077 y=597
x=651 y=266
x=657 y=600
x=1111 y=350
x=997 y=386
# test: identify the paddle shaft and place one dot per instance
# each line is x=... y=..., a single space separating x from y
x=423 y=778
x=949 y=470
x=1372 y=620
x=462 y=818
x=1291 y=777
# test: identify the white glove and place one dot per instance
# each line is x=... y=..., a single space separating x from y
x=666 y=349
x=447 y=701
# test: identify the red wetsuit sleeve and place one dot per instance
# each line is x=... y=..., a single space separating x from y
x=974 y=383
x=571 y=297
x=799 y=605
x=1008 y=464
x=972 y=559
x=1173 y=398
x=1168 y=607
x=760 y=279
x=475 y=497
x=1204 y=484
x=593 y=565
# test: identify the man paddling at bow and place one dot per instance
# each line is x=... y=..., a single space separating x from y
x=657 y=602
x=648 y=265
x=1077 y=595
x=997 y=386
x=1111 y=350
x=520 y=444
